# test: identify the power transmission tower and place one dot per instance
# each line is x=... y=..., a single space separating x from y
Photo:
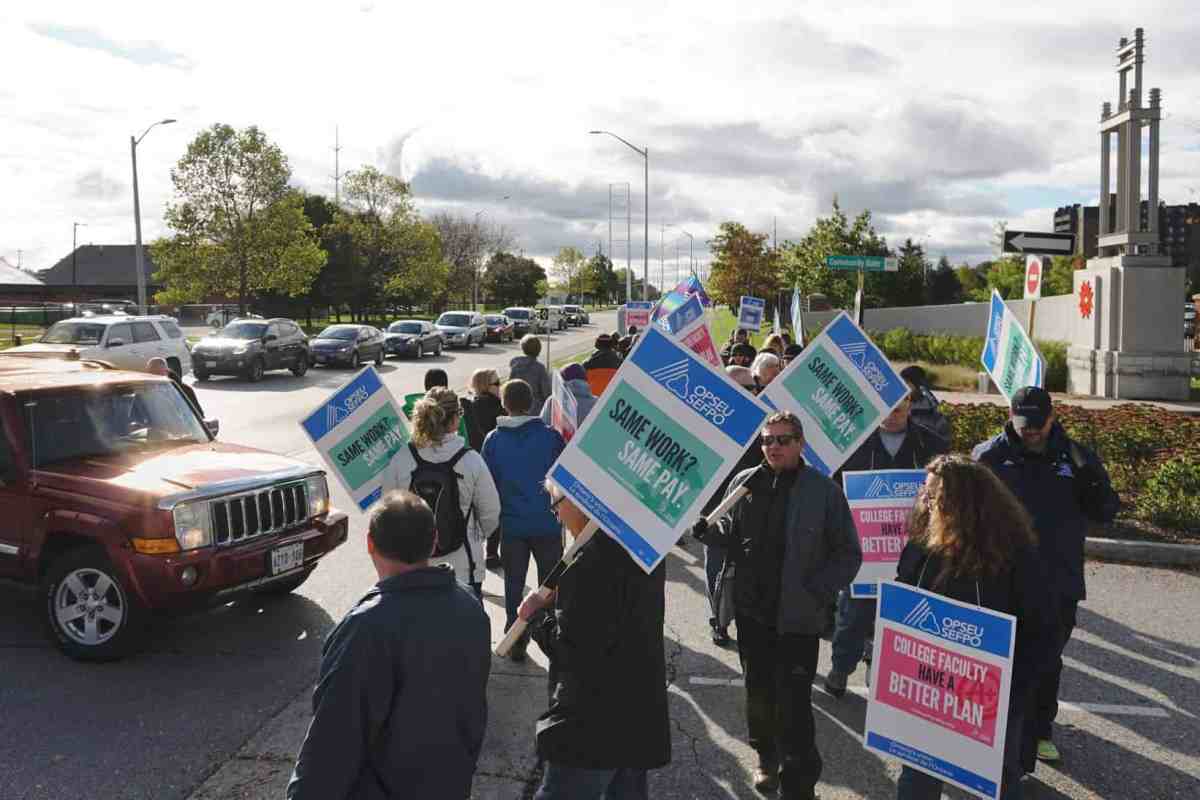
x=337 y=169
x=615 y=203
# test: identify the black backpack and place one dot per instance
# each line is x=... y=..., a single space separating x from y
x=437 y=485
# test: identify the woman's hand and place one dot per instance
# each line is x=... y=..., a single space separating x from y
x=535 y=603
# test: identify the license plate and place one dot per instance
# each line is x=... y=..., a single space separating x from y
x=210 y=364
x=287 y=557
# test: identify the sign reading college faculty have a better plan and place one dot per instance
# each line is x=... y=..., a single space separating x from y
x=880 y=502
x=667 y=430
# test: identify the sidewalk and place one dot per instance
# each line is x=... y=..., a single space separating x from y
x=1181 y=407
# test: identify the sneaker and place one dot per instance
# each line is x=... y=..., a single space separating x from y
x=766 y=778
x=1046 y=751
x=835 y=683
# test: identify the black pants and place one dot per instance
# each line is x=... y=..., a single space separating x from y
x=1046 y=695
x=779 y=672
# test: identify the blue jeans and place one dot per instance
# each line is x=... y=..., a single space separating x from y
x=514 y=555
x=714 y=559
x=916 y=785
x=576 y=783
x=855 y=621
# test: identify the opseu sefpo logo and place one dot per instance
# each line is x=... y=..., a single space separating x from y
x=882 y=487
x=335 y=414
x=676 y=377
x=923 y=618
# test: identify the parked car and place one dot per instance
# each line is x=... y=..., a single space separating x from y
x=523 y=319
x=347 y=345
x=125 y=342
x=119 y=502
x=461 y=328
x=550 y=319
x=499 y=328
x=577 y=315
x=220 y=317
x=413 y=337
x=250 y=347
x=562 y=313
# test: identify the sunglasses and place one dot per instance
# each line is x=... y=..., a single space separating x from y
x=554 y=505
x=783 y=439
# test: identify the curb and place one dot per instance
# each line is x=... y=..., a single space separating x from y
x=1144 y=553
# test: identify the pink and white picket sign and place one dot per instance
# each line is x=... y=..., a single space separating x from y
x=880 y=501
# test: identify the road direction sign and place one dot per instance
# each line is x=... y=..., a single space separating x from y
x=1034 y=273
x=864 y=263
x=1053 y=244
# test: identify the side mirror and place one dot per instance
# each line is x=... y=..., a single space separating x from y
x=115 y=343
x=213 y=426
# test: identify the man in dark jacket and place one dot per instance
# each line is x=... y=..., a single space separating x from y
x=519 y=453
x=602 y=364
x=527 y=368
x=1064 y=486
x=738 y=336
x=898 y=443
x=793 y=543
x=608 y=722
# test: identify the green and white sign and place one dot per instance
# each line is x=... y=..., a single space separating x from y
x=864 y=263
x=1009 y=355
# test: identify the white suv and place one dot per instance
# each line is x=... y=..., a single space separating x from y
x=126 y=342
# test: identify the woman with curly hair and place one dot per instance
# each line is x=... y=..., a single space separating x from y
x=970 y=539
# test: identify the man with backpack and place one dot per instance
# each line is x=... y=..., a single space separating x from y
x=519 y=453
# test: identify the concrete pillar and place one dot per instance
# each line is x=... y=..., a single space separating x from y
x=1134 y=166
x=1139 y=38
x=1105 y=158
x=1152 y=176
x=1122 y=178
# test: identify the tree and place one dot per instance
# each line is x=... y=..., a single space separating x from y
x=944 y=286
x=465 y=244
x=972 y=282
x=566 y=267
x=598 y=279
x=803 y=262
x=237 y=227
x=742 y=265
x=905 y=287
x=514 y=280
x=1060 y=275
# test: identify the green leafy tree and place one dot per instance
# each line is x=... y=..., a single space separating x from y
x=237 y=227
x=742 y=265
x=514 y=280
x=944 y=286
x=972 y=282
x=803 y=262
x=564 y=272
x=1060 y=276
x=906 y=286
x=1007 y=276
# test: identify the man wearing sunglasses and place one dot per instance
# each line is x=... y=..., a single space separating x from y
x=793 y=545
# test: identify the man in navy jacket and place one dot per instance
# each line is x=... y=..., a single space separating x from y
x=1064 y=487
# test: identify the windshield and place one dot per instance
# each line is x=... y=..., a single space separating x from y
x=244 y=330
x=454 y=320
x=516 y=313
x=572 y=309
x=73 y=333
x=339 y=333
x=405 y=327
x=109 y=420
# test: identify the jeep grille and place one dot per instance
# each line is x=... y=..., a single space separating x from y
x=241 y=517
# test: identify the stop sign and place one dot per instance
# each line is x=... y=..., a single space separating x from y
x=1033 y=277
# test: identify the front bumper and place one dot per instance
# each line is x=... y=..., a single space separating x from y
x=227 y=572
x=221 y=363
x=330 y=357
x=399 y=348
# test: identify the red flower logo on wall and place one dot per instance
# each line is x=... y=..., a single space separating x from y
x=1086 y=298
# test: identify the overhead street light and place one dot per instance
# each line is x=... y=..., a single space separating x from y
x=645 y=154
x=139 y=259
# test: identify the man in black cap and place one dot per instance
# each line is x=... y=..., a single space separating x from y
x=742 y=355
x=1063 y=486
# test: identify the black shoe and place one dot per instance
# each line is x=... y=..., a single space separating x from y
x=492 y=562
x=720 y=637
x=766 y=777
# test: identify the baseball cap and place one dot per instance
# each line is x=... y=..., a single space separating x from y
x=1030 y=407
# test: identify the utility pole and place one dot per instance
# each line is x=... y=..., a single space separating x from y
x=337 y=168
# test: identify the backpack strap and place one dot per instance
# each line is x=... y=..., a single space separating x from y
x=412 y=448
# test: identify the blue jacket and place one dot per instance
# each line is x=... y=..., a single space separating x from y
x=1062 y=489
x=519 y=453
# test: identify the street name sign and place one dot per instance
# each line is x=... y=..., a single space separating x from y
x=750 y=313
x=939 y=697
x=662 y=437
x=864 y=263
x=358 y=430
x=1035 y=272
x=1009 y=355
x=880 y=502
x=1051 y=244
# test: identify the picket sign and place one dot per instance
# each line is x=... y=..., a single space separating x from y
x=1009 y=355
x=797 y=317
x=637 y=313
x=679 y=315
x=564 y=408
x=358 y=430
x=880 y=502
x=688 y=324
x=841 y=387
x=939 y=696
x=750 y=313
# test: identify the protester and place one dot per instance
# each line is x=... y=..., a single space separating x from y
x=400 y=706
x=736 y=337
x=742 y=354
x=527 y=368
x=1063 y=486
x=482 y=411
x=787 y=339
x=434 y=378
x=159 y=366
x=766 y=368
x=793 y=544
x=602 y=365
x=925 y=403
x=898 y=443
x=603 y=631
x=519 y=453
x=441 y=467
x=774 y=343
x=970 y=540
x=575 y=379
x=743 y=377
x=791 y=352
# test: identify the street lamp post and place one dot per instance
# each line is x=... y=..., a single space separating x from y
x=645 y=154
x=139 y=259
x=74 y=258
x=691 y=256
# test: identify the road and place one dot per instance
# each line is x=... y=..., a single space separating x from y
x=216 y=706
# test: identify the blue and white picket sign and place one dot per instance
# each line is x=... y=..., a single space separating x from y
x=682 y=316
x=1009 y=355
x=358 y=431
x=841 y=387
x=662 y=437
x=750 y=312
x=880 y=502
x=797 y=317
x=940 y=690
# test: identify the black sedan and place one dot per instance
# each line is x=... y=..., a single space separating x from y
x=413 y=337
x=347 y=345
x=499 y=328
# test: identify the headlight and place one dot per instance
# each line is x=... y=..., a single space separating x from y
x=317 y=489
x=241 y=349
x=193 y=525
x=346 y=348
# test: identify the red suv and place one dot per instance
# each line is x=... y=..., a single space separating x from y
x=116 y=498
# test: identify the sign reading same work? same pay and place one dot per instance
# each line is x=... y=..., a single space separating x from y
x=666 y=432
x=939 y=698
x=880 y=502
x=1009 y=355
x=358 y=431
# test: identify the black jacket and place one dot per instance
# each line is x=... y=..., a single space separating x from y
x=1062 y=488
x=603 y=359
x=608 y=705
x=481 y=413
x=919 y=447
x=400 y=707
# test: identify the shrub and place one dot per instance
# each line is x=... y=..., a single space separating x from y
x=1171 y=497
x=973 y=423
x=901 y=344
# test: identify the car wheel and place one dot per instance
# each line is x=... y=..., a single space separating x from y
x=89 y=611
x=285 y=586
x=420 y=352
x=200 y=376
x=354 y=360
x=255 y=372
x=438 y=352
x=379 y=358
x=301 y=367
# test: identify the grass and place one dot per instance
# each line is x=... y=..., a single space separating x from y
x=1195 y=388
x=28 y=333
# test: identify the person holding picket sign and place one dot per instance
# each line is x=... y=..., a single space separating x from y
x=969 y=539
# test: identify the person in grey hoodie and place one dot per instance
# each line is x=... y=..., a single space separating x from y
x=527 y=368
x=575 y=377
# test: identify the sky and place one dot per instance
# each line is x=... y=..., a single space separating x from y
x=939 y=117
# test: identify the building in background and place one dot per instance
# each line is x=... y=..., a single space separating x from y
x=1178 y=231
x=99 y=271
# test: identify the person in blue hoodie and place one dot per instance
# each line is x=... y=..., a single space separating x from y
x=519 y=453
